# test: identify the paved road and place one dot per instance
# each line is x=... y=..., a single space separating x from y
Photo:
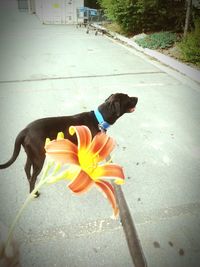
x=55 y=70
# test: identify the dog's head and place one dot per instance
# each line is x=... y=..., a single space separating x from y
x=116 y=105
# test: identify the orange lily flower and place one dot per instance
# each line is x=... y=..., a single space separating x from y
x=89 y=157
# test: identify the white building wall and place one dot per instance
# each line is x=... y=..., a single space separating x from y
x=58 y=11
x=38 y=9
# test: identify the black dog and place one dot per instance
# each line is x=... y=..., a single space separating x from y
x=34 y=135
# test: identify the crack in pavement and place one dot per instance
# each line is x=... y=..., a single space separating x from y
x=81 y=77
x=70 y=231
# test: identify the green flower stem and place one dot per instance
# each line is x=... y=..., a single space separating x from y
x=42 y=181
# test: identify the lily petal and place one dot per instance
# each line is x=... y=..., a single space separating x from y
x=111 y=171
x=62 y=151
x=83 y=134
x=108 y=190
x=82 y=183
x=102 y=145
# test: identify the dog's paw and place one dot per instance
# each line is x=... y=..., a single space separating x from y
x=36 y=195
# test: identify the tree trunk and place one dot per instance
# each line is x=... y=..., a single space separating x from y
x=187 y=19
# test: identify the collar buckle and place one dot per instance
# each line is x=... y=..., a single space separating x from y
x=103 y=125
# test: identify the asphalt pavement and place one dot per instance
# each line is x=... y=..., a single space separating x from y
x=55 y=70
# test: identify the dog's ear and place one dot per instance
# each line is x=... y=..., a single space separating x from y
x=117 y=107
x=114 y=104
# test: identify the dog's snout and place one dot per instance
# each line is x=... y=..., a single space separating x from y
x=134 y=100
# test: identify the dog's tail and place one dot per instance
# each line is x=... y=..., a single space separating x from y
x=18 y=142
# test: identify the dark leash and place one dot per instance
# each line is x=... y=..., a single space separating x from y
x=130 y=231
x=127 y=222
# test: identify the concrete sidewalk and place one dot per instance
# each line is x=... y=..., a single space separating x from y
x=51 y=70
x=181 y=67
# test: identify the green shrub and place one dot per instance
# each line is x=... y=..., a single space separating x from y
x=136 y=16
x=190 y=45
x=158 y=40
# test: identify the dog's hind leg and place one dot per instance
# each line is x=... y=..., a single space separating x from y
x=37 y=167
x=27 y=168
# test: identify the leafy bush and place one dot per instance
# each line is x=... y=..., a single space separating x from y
x=190 y=45
x=157 y=40
x=136 y=16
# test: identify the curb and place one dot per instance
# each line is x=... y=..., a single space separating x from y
x=193 y=73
